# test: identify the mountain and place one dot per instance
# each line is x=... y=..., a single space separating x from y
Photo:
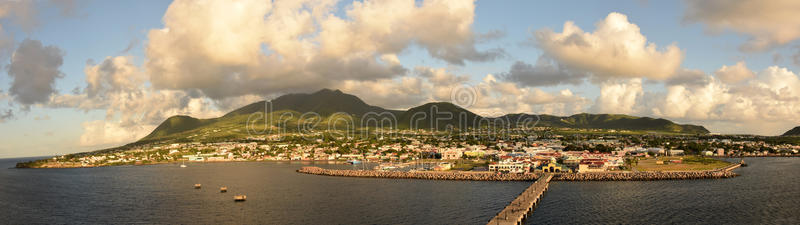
x=793 y=132
x=439 y=115
x=177 y=124
x=603 y=121
x=334 y=107
x=325 y=102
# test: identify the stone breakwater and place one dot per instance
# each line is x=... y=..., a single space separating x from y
x=644 y=176
x=489 y=176
x=427 y=175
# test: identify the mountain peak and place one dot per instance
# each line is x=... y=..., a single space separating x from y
x=327 y=91
x=793 y=132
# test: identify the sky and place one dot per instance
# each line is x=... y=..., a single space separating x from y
x=81 y=75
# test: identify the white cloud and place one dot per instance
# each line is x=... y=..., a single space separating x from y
x=440 y=76
x=132 y=108
x=497 y=98
x=263 y=48
x=103 y=132
x=616 y=49
x=734 y=74
x=618 y=96
x=766 y=104
x=769 y=23
x=399 y=93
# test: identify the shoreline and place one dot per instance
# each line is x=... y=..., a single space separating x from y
x=177 y=162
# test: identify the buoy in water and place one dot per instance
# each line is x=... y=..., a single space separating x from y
x=239 y=198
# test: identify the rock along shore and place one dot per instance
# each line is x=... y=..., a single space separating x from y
x=427 y=175
x=724 y=172
x=489 y=176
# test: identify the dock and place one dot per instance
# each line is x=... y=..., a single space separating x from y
x=521 y=207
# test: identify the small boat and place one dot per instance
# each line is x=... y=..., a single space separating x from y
x=744 y=164
x=223 y=189
x=239 y=198
x=183 y=165
x=197 y=186
x=353 y=161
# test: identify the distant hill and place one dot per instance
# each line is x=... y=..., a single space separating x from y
x=440 y=115
x=325 y=102
x=177 y=124
x=793 y=132
x=605 y=121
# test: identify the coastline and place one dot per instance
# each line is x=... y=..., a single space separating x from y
x=62 y=166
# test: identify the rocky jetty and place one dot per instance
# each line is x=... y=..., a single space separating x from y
x=427 y=175
x=633 y=176
x=489 y=176
x=643 y=176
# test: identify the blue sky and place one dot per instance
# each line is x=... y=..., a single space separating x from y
x=95 y=30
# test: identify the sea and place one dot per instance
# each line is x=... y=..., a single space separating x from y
x=767 y=192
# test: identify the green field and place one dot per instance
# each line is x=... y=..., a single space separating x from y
x=689 y=163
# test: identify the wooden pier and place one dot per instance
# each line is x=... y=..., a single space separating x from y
x=521 y=207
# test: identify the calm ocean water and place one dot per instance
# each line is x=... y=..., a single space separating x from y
x=767 y=192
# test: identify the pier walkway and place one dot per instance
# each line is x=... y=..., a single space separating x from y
x=521 y=207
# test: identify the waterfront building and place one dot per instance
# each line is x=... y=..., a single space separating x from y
x=452 y=154
x=553 y=167
x=506 y=167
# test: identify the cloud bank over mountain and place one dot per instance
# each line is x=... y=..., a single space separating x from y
x=208 y=57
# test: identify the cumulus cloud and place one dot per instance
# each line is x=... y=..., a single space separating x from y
x=688 y=77
x=114 y=74
x=440 y=76
x=34 y=69
x=544 y=73
x=618 y=96
x=616 y=49
x=769 y=23
x=488 y=97
x=262 y=48
x=132 y=107
x=496 y=98
x=102 y=132
x=766 y=104
x=399 y=93
x=735 y=73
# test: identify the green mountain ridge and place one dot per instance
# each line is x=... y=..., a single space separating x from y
x=333 y=105
x=606 y=121
x=793 y=132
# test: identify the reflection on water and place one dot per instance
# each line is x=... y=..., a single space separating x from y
x=766 y=192
x=275 y=195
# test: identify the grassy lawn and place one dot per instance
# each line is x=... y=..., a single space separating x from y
x=690 y=163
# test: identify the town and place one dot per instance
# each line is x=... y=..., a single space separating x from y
x=566 y=150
